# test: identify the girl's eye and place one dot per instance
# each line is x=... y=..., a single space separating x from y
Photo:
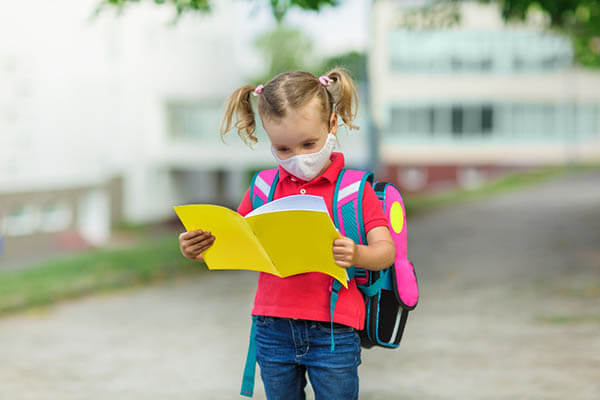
x=282 y=149
x=309 y=145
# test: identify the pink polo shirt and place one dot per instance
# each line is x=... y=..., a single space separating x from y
x=306 y=296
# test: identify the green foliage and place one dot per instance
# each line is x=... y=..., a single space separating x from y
x=283 y=49
x=353 y=61
x=288 y=49
x=180 y=6
x=437 y=14
x=281 y=7
x=579 y=19
x=278 y=7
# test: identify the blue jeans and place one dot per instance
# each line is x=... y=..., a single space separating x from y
x=287 y=349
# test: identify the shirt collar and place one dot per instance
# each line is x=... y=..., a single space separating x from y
x=330 y=174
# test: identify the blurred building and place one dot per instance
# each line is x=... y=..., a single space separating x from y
x=116 y=119
x=460 y=104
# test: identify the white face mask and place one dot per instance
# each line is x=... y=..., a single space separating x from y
x=308 y=166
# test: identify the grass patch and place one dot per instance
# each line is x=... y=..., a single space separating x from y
x=94 y=271
x=416 y=204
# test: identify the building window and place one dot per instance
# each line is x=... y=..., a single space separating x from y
x=21 y=221
x=588 y=123
x=457 y=121
x=487 y=120
x=458 y=51
x=194 y=120
x=399 y=120
x=522 y=121
x=55 y=217
x=439 y=120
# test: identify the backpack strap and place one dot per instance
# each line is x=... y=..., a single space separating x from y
x=262 y=190
x=348 y=218
x=262 y=187
x=250 y=367
x=347 y=204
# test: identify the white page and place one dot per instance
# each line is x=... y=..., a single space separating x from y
x=297 y=202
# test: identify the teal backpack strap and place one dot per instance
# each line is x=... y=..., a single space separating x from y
x=347 y=204
x=383 y=282
x=348 y=218
x=333 y=298
x=250 y=367
x=262 y=190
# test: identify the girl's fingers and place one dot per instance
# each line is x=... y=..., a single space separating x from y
x=200 y=250
x=191 y=245
x=341 y=250
x=203 y=245
x=191 y=234
x=200 y=238
x=193 y=237
x=342 y=257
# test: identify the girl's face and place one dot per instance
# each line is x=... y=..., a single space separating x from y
x=300 y=132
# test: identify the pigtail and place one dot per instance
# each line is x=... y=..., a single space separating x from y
x=344 y=94
x=239 y=106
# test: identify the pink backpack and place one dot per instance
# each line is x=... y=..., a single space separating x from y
x=390 y=293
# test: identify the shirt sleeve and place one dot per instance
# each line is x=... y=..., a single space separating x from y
x=246 y=205
x=373 y=215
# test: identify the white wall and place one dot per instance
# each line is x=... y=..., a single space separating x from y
x=83 y=99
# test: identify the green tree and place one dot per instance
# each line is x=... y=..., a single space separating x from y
x=278 y=7
x=579 y=19
x=354 y=61
x=283 y=49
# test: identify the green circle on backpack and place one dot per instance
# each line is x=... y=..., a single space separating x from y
x=397 y=217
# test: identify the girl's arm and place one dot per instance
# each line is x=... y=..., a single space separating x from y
x=377 y=255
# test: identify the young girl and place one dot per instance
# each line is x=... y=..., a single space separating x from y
x=299 y=112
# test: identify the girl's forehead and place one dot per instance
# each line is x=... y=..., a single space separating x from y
x=298 y=125
x=292 y=133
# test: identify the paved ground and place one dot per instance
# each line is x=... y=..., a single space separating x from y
x=510 y=309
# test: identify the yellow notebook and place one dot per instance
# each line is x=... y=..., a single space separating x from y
x=285 y=237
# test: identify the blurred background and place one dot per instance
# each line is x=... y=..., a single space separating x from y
x=110 y=112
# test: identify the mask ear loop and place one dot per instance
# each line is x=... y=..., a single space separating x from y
x=337 y=142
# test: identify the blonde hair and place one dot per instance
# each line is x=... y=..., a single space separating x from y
x=291 y=91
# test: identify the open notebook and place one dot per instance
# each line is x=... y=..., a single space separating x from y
x=284 y=237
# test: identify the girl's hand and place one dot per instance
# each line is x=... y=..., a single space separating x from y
x=193 y=243
x=344 y=252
